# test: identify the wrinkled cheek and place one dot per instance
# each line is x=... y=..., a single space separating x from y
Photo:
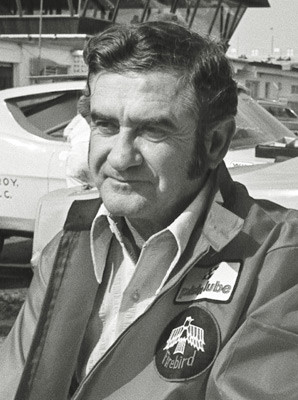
x=96 y=168
x=165 y=190
x=98 y=180
x=96 y=158
x=169 y=171
x=102 y=186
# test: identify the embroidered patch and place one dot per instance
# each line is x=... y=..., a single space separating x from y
x=217 y=284
x=188 y=346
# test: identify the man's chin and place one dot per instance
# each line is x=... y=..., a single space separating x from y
x=130 y=205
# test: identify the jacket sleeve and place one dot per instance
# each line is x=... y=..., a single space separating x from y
x=15 y=348
x=260 y=362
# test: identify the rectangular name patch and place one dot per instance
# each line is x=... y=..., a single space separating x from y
x=218 y=283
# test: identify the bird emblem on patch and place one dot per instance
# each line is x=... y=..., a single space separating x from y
x=186 y=333
x=188 y=345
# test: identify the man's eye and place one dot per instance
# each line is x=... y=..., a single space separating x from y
x=105 y=127
x=154 y=134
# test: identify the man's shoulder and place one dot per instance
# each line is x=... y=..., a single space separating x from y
x=285 y=223
x=59 y=208
x=82 y=212
x=266 y=219
x=262 y=217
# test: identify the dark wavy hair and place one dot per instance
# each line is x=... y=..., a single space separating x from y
x=199 y=62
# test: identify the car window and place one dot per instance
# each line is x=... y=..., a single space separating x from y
x=291 y=113
x=45 y=114
x=254 y=125
x=281 y=112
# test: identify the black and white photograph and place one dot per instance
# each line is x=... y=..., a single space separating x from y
x=148 y=200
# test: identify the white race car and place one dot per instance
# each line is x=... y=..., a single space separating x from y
x=33 y=151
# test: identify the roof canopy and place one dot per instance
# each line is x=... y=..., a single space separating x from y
x=218 y=18
x=256 y=3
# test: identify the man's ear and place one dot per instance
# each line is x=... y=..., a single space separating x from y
x=217 y=141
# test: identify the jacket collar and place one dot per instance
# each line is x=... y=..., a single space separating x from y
x=221 y=225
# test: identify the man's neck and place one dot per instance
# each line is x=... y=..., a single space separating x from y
x=142 y=229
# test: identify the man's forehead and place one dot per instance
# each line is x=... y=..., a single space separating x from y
x=153 y=82
x=155 y=93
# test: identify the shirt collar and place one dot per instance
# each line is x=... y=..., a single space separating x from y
x=219 y=228
x=182 y=227
x=100 y=236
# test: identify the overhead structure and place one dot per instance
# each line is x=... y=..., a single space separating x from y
x=218 y=18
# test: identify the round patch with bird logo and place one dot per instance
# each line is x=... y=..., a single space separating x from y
x=188 y=346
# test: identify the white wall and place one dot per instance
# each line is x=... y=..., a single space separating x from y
x=19 y=54
x=261 y=74
x=11 y=53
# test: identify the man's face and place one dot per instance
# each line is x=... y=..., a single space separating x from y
x=142 y=143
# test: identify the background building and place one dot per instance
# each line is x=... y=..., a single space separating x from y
x=22 y=62
x=42 y=40
x=270 y=80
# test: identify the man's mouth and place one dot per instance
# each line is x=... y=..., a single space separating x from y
x=122 y=179
x=126 y=181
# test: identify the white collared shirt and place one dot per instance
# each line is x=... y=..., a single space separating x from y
x=131 y=281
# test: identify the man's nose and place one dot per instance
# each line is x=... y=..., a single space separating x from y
x=124 y=153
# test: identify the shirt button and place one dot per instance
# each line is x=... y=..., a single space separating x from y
x=135 y=296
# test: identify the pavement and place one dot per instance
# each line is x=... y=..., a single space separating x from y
x=11 y=301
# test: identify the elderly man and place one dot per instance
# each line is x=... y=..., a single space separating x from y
x=175 y=284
